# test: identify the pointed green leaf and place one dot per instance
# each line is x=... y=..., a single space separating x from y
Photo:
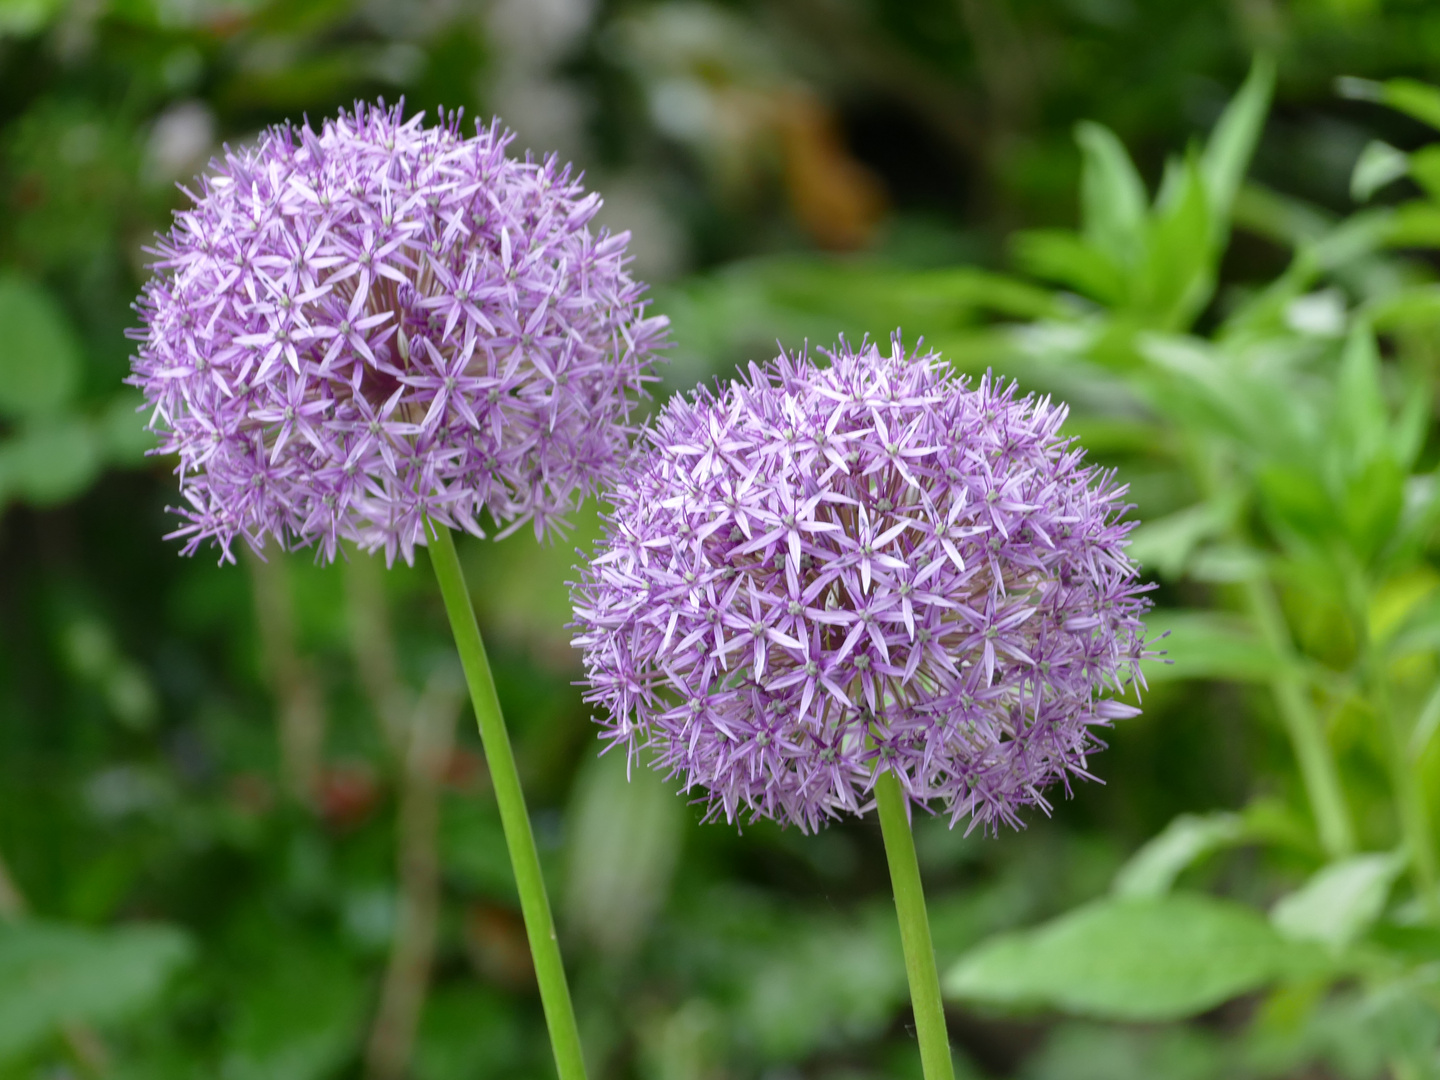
x=1408 y=432
x=1065 y=258
x=1361 y=418
x=1152 y=870
x=1207 y=645
x=1353 y=239
x=1281 y=218
x=1378 y=164
x=1340 y=902
x=1296 y=502
x=1415 y=224
x=1166 y=543
x=1414 y=305
x=1232 y=143
x=1374 y=500
x=1424 y=166
x=1178 y=276
x=1150 y=959
x=1112 y=195
x=1417 y=99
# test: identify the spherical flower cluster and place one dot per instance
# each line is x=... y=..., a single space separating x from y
x=816 y=574
x=357 y=329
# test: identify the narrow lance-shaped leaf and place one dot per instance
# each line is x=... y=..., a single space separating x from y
x=1379 y=164
x=1178 y=275
x=1232 y=144
x=1152 y=870
x=1340 y=902
x=1112 y=195
x=1410 y=96
x=1360 y=414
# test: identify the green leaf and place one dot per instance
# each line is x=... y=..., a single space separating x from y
x=40 y=357
x=1378 y=164
x=1208 y=645
x=1415 y=98
x=1361 y=418
x=121 y=429
x=53 y=974
x=1152 y=870
x=1166 y=543
x=1282 y=218
x=1112 y=196
x=1411 y=306
x=1125 y=959
x=1226 y=564
x=1232 y=144
x=1353 y=239
x=50 y=460
x=625 y=827
x=21 y=17
x=1374 y=501
x=1424 y=167
x=298 y=1005
x=1064 y=257
x=1297 y=502
x=1415 y=224
x=1178 y=276
x=1340 y=902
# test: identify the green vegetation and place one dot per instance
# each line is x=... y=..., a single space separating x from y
x=226 y=792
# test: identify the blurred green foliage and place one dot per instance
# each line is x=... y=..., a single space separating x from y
x=208 y=783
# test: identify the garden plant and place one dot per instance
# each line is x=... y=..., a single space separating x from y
x=1035 y=497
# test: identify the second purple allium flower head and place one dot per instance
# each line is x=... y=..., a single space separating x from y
x=815 y=574
x=356 y=329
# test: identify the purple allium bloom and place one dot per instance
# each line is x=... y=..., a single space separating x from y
x=356 y=329
x=815 y=573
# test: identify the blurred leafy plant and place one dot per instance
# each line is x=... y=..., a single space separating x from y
x=1265 y=419
x=1282 y=440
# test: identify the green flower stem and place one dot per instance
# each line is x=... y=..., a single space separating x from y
x=1307 y=737
x=1318 y=771
x=914 y=929
x=539 y=923
x=1411 y=805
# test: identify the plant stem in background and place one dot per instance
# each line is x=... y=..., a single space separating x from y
x=1302 y=723
x=1410 y=804
x=431 y=735
x=914 y=929
x=12 y=904
x=1307 y=737
x=374 y=649
x=296 y=690
x=534 y=904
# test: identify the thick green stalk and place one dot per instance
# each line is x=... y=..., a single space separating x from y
x=914 y=929
x=539 y=923
x=1312 y=752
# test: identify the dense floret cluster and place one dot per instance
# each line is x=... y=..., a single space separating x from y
x=356 y=329
x=817 y=573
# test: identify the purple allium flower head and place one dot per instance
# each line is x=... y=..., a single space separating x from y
x=815 y=574
x=356 y=329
